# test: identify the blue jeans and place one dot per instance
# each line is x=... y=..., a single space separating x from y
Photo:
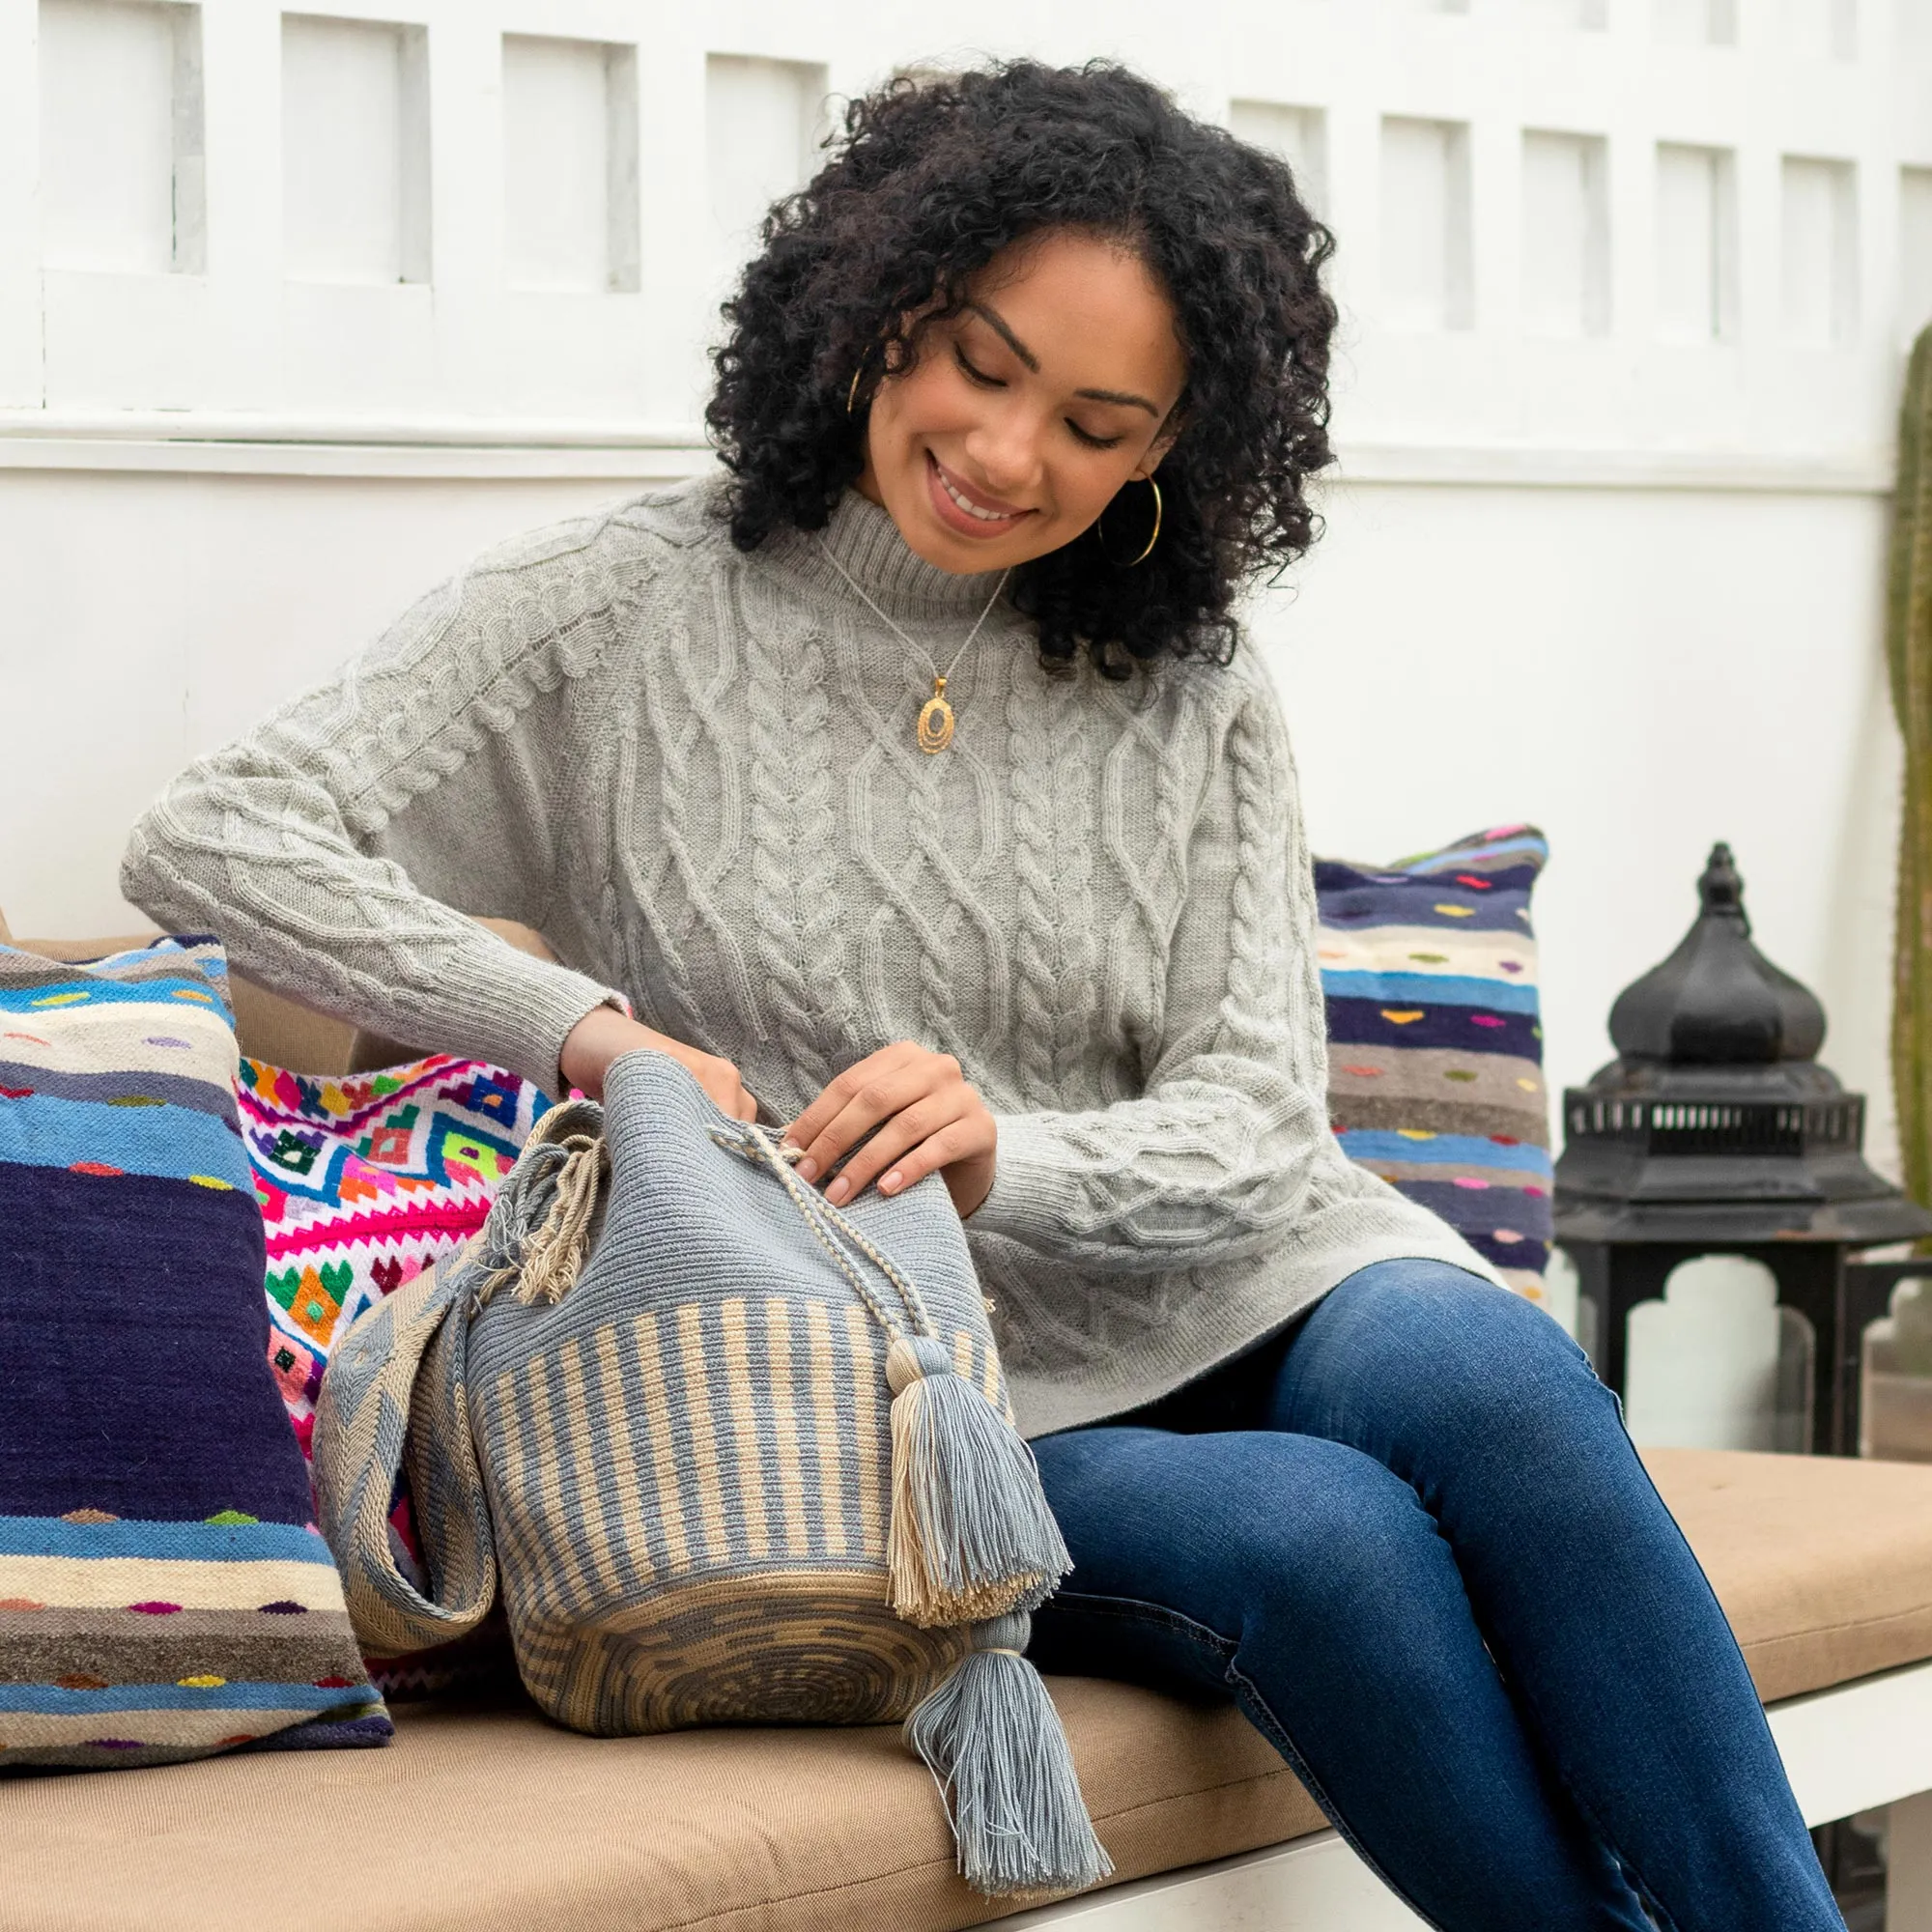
x=1411 y=1538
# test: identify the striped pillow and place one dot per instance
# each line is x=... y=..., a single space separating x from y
x=1435 y=1037
x=163 y=1591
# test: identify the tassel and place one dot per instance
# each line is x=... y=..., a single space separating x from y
x=971 y=1536
x=992 y=1739
x=539 y=1224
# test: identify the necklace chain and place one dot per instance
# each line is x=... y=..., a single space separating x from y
x=935 y=718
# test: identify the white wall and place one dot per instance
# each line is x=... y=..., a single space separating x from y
x=1624 y=305
x=1639 y=673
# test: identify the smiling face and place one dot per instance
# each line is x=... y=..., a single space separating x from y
x=1026 y=413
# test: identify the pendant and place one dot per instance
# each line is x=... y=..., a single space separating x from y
x=935 y=719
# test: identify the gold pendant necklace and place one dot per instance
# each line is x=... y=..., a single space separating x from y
x=936 y=719
x=934 y=730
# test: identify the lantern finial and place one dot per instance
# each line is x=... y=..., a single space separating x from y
x=1720 y=892
x=1717 y=1001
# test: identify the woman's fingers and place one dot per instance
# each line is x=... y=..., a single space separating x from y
x=922 y=1115
x=866 y=1093
x=953 y=1142
x=838 y=1091
x=720 y=1080
x=892 y=1146
x=604 y=1034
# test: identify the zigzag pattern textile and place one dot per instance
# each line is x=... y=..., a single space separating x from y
x=365 y=1181
x=163 y=1593
x=1435 y=1038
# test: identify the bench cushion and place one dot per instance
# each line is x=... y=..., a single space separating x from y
x=484 y=1819
x=479 y=1820
x=1823 y=1566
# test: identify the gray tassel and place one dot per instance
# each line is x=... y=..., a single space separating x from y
x=993 y=1739
x=538 y=1229
x=971 y=1535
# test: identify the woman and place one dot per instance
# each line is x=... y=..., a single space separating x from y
x=890 y=780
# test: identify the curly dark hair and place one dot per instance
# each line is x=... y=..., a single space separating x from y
x=928 y=181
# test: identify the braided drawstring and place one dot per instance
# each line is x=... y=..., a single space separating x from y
x=970 y=1536
x=762 y=1149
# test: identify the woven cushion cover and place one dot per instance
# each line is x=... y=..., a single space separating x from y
x=1435 y=1037
x=163 y=1591
x=364 y=1182
x=1825 y=1567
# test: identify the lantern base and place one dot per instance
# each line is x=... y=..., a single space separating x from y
x=1838 y=1297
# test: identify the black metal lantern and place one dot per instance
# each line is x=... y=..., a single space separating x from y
x=1716 y=1132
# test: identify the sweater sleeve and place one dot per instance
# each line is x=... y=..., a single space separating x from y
x=1228 y=1146
x=340 y=849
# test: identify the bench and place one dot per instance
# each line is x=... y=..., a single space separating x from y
x=486 y=1816
x=483 y=1816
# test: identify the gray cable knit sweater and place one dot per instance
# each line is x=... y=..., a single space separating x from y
x=695 y=772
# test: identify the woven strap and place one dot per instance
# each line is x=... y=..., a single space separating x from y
x=393 y=1395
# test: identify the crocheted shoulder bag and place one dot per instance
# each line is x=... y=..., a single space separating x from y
x=735 y=1454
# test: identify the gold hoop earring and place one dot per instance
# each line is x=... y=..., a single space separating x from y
x=1150 y=542
x=852 y=394
x=1155 y=537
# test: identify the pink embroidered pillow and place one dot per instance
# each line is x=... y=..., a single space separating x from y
x=364 y=1182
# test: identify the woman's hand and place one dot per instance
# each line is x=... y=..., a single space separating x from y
x=604 y=1032
x=927 y=1118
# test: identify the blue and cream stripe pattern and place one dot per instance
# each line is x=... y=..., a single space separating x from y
x=723 y=1476
x=686 y=1496
x=749 y=1440
x=1428 y=971
x=162 y=1591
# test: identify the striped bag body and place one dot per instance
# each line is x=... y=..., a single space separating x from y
x=730 y=1454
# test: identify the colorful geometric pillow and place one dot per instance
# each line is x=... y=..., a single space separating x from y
x=363 y=1182
x=163 y=1591
x=1435 y=1038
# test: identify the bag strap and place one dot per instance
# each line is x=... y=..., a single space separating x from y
x=394 y=1398
x=835 y=1232
x=394 y=1393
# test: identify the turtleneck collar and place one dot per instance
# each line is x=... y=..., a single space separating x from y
x=865 y=540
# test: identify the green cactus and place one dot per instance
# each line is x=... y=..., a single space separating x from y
x=1909 y=654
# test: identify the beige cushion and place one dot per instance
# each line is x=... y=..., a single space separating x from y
x=474 y=1821
x=479 y=1820
x=1823 y=1566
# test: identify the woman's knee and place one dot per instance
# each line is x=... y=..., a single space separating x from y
x=1328 y=1536
x=1230 y=1527
x=1444 y=1350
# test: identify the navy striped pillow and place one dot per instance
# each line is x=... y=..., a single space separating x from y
x=1435 y=1037
x=164 y=1592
